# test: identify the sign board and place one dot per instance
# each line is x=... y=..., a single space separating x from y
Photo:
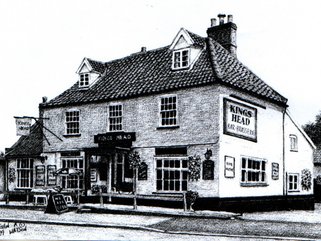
x=23 y=126
x=142 y=171
x=229 y=167
x=275 y=171
x=115 y=138
x=208 y=170
x=240 y=120
x=40 y=175
x=56 y=204
x=51 y=177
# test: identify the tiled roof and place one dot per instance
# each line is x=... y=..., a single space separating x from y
x=317 y=155
x=150 y=72
x=97 y=65
x=198 y=40
x=27 y=146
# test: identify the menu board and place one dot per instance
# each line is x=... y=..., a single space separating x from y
x=56 y=204
x=40 y=175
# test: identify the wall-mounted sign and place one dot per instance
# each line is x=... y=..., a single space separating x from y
x=40 y=175
x=275 y=171
x=23 y=126
x=51 y=176
x=116 y=138
x=240 y=120
x=208 y=170
x=229 y=167
x=142 y=171
x=93 y=175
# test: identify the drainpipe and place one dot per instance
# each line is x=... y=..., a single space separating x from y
x=284 y=171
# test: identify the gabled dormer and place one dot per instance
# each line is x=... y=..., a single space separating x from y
x=89 y=72
x=186 y=48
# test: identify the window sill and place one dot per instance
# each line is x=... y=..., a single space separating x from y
x=293 y=150
x=182 y=68
x=71 y=135
x=254 y=184
x=293 y=191
x=167 y=127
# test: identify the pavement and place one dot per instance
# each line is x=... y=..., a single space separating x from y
x=144 y=218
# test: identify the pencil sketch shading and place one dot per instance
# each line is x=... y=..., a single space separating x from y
x=185 y=135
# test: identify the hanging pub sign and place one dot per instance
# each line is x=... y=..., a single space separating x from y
x=240 y=120
x=23 y=125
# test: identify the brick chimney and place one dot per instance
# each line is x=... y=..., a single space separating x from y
x=224 y=33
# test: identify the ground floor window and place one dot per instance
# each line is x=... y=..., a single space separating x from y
x=25 y=172
x=253 y=171
x=73 y=180
x=171 y=174
x=293 y=182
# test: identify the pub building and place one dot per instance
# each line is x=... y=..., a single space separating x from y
x=195 y=119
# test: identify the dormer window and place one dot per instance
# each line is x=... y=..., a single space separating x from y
x=181 y=59
x=84 y=80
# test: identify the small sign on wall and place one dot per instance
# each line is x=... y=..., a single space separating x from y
x=51 y=177
x=275 y=171
x=142 y=171
x=93 y=175
x=208 y=170
x=240 y=120
x=40 y=175
x=229 y=167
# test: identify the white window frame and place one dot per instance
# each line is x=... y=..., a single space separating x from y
x=75 y=181
x=253 y=174
x=27 y=172
x=293 y=186
x=68 y=129
x=84 y=79
x=293 y=142
x=167 y=167
x=180 y=62
x=112 y=127
x=161 y=111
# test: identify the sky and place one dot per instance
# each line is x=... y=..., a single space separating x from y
x=42 y=43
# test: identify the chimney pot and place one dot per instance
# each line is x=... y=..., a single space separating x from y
x=221 y=18
x=230 y=18
x=213 y=22
x=143 y=49
x=44 y=99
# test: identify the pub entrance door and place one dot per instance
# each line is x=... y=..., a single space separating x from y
x=120 y=175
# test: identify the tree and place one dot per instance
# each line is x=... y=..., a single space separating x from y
x=313 y=130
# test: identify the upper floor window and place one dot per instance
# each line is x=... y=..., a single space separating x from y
x=253 y=171
x=181 y=59
x=84 y=80
x=72 y=122
x=115 y=118
x=168 y=111
x=293 y=143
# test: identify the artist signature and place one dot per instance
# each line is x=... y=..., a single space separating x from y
x=11 y=228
